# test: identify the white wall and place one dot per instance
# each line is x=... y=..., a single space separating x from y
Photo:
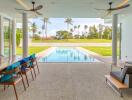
x=126 y=43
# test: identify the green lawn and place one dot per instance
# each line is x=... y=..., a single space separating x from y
x=104 y=51
x=32 y=49
x=74 y=41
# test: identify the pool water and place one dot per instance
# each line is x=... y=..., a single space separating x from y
x=68 y=54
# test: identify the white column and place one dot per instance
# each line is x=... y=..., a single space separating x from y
x=114 y=38
x=13 y=38
x=25 y=35
x=1 y=37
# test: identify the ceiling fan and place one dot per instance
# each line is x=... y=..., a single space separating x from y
x=34 y=9
x=110 y=9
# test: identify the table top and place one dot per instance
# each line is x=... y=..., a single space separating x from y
x=6 y=61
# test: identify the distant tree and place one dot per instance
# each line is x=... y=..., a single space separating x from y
x=78 y=27
x=69 y=22
x=34 y=28
x=90 y=32
x=71 y=30
x=100 y=30
x=93 y=32
x=39 y=32
x=85 y=29
x=76 y=36
x=107 y=32
x=45 y=26
x=62 y=34
x=37 y=37
x=75 y=27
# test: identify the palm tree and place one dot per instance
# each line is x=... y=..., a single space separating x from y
x=100 y=30
x=45 y=26
x=34 y=28
x=85 y=29
x=69 y=22
x=78 y=27
x=75 y=27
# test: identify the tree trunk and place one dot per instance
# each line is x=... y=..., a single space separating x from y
x=78 y=34
x=46 y=30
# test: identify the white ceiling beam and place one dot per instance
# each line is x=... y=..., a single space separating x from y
x=21 y=2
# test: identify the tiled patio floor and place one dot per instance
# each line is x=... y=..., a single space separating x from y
x=69 y=81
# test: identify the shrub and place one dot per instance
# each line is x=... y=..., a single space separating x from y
x=18 y=36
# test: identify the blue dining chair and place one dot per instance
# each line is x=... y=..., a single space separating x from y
x=11 y=76
x=34 y=62
x=25 y=68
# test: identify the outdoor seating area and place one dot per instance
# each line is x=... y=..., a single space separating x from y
x=13 y=73
x=65 y=50
x=120 y=80
x=67 y=81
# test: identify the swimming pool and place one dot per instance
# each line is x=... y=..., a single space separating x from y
x=67 y=54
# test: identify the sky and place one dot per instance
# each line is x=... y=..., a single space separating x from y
x=57 y=24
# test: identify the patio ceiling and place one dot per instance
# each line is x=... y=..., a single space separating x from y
x=63 y=8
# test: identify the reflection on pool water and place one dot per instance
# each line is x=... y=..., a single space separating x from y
x=68 y=54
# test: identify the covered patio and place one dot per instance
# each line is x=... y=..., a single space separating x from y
x=68 y=82
x=64 y=81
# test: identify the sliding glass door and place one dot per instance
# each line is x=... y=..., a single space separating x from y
x=7 y=37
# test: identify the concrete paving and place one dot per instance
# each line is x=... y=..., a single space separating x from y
x=67 y=81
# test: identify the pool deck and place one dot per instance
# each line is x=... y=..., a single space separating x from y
x=67 y=81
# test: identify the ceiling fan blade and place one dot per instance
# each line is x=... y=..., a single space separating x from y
x=21 y=9
x=107 y=14
x=121 y=7
x=100 y=9
x=124 y=2
x=39 y=13
x=38 y=7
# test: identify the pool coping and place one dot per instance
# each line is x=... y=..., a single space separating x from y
x=45 y=52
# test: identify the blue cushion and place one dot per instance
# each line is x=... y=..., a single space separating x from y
x=24 y=60
x=5 y=78
x=10 y=67
x=32 y=56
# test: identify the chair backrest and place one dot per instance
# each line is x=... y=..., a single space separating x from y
x=24 y=60
x=32 y=56
x=125 y=70
x=12 y=66
x=10 y=71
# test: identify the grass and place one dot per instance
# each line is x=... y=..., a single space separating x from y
x=74 y=41
x=32 y=49
x=104 y=51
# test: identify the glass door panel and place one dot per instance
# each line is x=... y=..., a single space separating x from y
x=6 y=37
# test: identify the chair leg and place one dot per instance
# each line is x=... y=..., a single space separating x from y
x=26 y=78
x=15 y=92
x=34 y=71
x=31 y=73
x=4 y=87
x=37 y=67
x=23 y=82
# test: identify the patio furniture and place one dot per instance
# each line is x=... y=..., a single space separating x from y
x=25 y=68
x=11 y=76
x=120 y=80
x=33 y=63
